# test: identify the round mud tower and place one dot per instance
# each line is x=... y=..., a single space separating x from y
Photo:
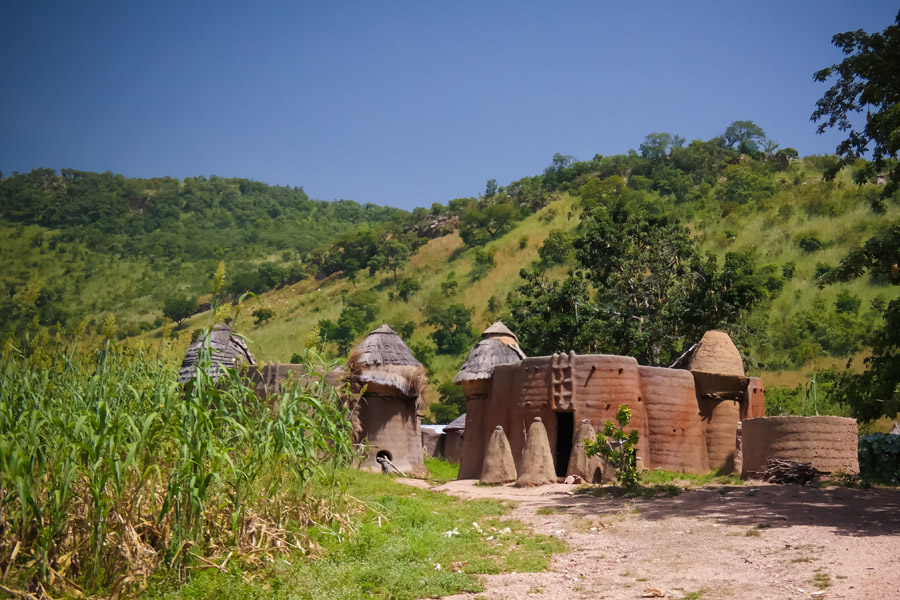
x=722 y=418
x=827 y=443
x=499 y=466
x=537 y=459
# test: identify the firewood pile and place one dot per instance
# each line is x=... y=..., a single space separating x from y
x=778 y=470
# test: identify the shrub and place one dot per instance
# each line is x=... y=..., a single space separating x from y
x=619 y=451
x=809 y=243
x=879 y=458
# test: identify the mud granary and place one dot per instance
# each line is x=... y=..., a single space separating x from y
x=392 y=383
x=687 y=415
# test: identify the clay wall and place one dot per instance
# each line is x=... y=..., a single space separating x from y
x=677 y=437
x=432 y=442
x=755 y=406
x=452 y=446
x=827 y=443
x=391 y=424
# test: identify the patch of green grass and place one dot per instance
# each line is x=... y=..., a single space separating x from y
x=822 y=580
x=638 y=491
x=440 y=470
x=693 y=595
x=752 y=533
x=660 y=476
x=394 y=557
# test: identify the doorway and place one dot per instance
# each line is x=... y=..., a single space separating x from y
x=565 y=431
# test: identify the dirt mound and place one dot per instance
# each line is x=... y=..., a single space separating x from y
x=717 y=354
x=499 y=466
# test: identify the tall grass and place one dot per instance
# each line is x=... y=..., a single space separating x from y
x=110 y=469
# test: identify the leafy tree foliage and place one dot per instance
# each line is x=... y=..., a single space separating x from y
x=391 y=255
x=450 y=405
x=406 y=287
x=179 y=308
x=745 y=136
x=262 y=315
x=357 y=315
x=641 y=289
x=867 y=81
x=480 y=225
x=452 y=328
x=864 y=81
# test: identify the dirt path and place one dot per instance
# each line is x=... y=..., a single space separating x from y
x=750 y=542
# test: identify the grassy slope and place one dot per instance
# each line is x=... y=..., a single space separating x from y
x=771 y=232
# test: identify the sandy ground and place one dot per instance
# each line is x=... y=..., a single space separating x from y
x=751 y=542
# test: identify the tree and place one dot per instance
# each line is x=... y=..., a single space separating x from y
x=867 y=80
x=391 y=255
x=744 y=136
x=479 y=225
x=351 y=270
x=641 y=289
x=452 y=328
x=262 y=315
x=179 y=308
x=657 y=146
x=451 y=404
x=407 y=286
x=490 y=190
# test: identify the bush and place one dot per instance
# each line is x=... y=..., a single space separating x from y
x=809 y=243
x=879 y=458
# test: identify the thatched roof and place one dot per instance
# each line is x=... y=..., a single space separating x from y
x=382 y=358
x=716 y=353
x=499 y=331
x=498 y=346
x=458 y=424
x=225 y=348
x=484 y=357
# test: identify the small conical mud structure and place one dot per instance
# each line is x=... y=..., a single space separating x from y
x=499 y=466
x=537 y=459
x=590 y=469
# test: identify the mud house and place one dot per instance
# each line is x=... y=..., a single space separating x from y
x=687 y=417
x=389 y=411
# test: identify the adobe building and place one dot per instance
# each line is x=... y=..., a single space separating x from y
x=687 y=418
x=390 y=409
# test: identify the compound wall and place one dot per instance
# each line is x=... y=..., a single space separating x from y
x=827 y=443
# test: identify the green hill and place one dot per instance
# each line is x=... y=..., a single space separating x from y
x=326 y=270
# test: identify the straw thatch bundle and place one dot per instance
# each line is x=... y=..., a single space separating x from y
x=498 y=346
x=383 y=359
x=226 y=350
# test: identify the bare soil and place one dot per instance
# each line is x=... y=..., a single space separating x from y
x=750 y=542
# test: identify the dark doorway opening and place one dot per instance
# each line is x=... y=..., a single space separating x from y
x=383 y=454
x=565 y=431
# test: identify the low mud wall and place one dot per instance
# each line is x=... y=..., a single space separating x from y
x=827 y=443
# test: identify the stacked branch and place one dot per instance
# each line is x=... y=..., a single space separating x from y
x=778 y=470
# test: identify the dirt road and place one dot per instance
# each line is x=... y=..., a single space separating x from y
x=750 y=542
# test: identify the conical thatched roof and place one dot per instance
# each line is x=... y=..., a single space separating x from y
x=382 y=358
x=717 y=354
x=225 y=348
x=497 y=347
x=499 y=331
x=458 y=424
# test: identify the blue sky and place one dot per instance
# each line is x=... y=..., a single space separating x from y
x=395 y=102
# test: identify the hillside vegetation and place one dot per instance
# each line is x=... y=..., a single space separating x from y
x=763 y=230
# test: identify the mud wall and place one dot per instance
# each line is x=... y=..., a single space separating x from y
x=755 y=406
x=390 y=424
x=827 y=443
x=677 y=436
x=453 y=445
